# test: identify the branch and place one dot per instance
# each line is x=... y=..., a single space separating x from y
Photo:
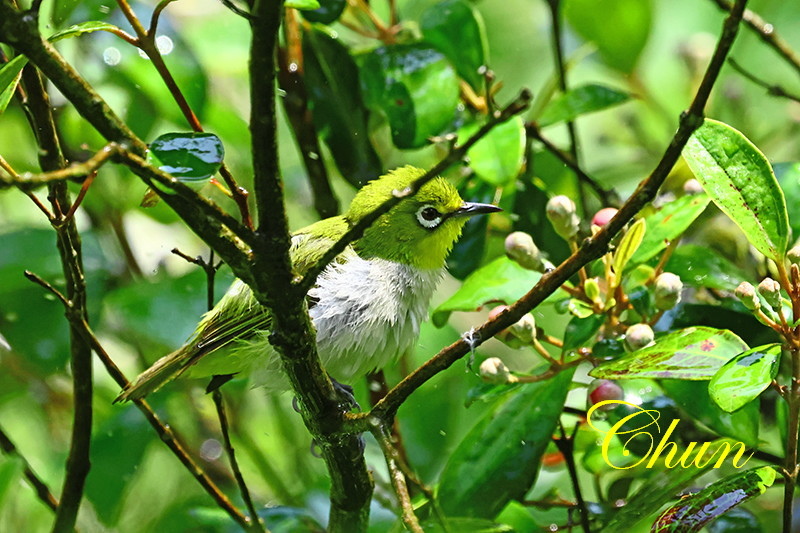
x=42 y=490
x=28 y=181
x=519 y=104
x=592 y=248
x=772 y=90
x=393 y=460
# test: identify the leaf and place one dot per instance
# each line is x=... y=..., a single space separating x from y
x=462 y=525
x=415 y=86
x=743 y=378
x=84 y=27
x=9 y=78
x=693 y=398
x=455 y=28
x=497 y=158
x=619 y=28
x=499 y=458
x=740 y=180
x=580 y=331
x=303 y=5
x=581 y=101
x=468 y=251
x=700 y=266
x=694 y=353
x=502 y=280
x=669 y=223
x=328 y=12
x=788 y=175
x=628 y=245
x=190 y=157
x=692 y=513
x=337 y=103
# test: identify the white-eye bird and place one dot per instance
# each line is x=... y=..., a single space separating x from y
x=366 y=306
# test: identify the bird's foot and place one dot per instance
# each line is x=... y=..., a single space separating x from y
x=347 y=400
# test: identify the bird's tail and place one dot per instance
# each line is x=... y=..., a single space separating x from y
x=164 y=370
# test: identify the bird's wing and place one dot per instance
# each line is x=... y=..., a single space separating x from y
x=236 y=317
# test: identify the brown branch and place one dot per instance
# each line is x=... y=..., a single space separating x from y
x=772 y=90
x=42 y=490
x=28 y=181
x=519 y=104
x=397 y=478
x=592 y=248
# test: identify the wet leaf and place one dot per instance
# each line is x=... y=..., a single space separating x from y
x=580 y=331
x=328 y=11
x=743 y=378
x=415 y=86
x=581 y=101
x=456 y=29
x=739 y=179
x=669 y=223
x=84 y=27
x=694 y=353
x=190 y=157
x=699 y=266
x=497 y=158
x=693 y=512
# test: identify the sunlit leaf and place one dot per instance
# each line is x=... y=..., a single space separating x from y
x=744 y=378
x=739 y=179
x=190 y=157
x=581 y=101
x=669 y=223
x=692 y=513
x=699 y=266
x=497 y=158
x=694 y=353
x=9 y=78
x=628 y=245
x=84 y=27
x=302 y=4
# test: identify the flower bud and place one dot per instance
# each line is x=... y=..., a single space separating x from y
x=521 y=249
x=771 y=291
x=601 y=390
x=561 y=213
x=493 y=370
x=692 y=186
x=524 y=329
x=667 y=291
x=747 y=295
x=602 y=217
x=638 y=336
x=793 y=255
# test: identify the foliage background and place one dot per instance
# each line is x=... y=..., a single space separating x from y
x=144 y=301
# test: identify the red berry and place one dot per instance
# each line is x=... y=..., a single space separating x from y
x=604 y=389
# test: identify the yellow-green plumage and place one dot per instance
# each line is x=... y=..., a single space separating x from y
x=366 y=306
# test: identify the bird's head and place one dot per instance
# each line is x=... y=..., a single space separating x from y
x=420 y=230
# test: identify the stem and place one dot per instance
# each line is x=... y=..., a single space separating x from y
x=43 y=492
x=566 y=445
x=381 y=433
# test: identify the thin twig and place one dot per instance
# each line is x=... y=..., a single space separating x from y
x=398 y=480
x=28 y=181
x=773 y=90
x=43 y=492
x=566 y=445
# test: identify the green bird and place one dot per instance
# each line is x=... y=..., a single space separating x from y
x=366 y=306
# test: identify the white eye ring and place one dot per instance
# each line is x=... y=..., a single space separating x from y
x=428 y=217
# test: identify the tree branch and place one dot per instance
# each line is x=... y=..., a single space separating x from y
x=772 y=90
x=42 y=490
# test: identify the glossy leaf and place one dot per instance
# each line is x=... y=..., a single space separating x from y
x=581 y=101
x=620 y=33
x=669 y=223
x=628 y=245
x=328 y=11
x=692 y=513
x=498 y=157
x=456 y=29
x=740 y=180
x=303 y=5
x=190 y=157
x=743 y=378
x=693 y=398
x=498 y=459
x=693 y=353
x=502 y=280
x=788 y=175
x=9 y=78
x=580 y=331
x=415 y=86
x=699 y=266
x=337 y=103
x=84 y=27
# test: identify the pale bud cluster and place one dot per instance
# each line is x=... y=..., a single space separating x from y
x=521 y=249
x=793 y=255
x=563 y=216
x=747 y=295
x=771 y=291
x=493 y=370
x=639 y=336
x=521 y=333
x=667 y=291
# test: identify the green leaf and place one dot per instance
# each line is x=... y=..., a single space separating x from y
x=415 y=86
x=340 y=117
x=628 y=245
x=497 y=158
x=502 y=280
x=328 y=11
x=788 y=175
x=620 y=33
x=580 y=331
x=669 y=223
x=581 y=101
x=462 y=525
x=456 y=29
x=190 y=157
x=700 y=266
x=303 y=5
x=740 y=180
x=84 y=27
x=468 y=251
x=743 y=378
x=498 y=460
x=9 y=78
x=693 y=398
x=692 y=513
x=694 y=353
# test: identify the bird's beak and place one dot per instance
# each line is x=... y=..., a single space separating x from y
x=472 y=208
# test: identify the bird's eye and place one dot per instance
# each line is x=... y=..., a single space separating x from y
x=428 y=217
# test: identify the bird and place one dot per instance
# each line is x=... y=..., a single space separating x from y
x=366 y=306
